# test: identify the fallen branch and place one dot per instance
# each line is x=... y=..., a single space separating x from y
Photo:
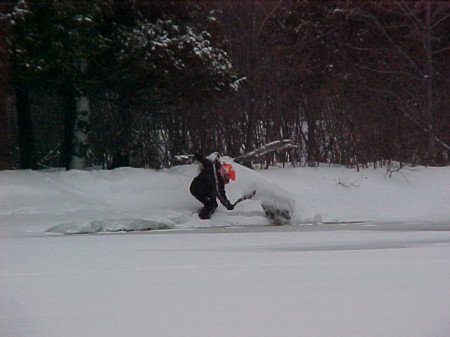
x=275 y=146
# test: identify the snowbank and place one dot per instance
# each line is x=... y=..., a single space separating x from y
x=130 y=199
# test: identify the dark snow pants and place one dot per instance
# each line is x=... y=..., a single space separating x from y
x=206 y=196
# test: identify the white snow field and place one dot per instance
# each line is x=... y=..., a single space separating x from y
x=364 y=255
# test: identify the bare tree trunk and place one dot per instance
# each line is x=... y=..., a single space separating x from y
x=5 y=139
x=80 y=134
x=68 y=107
x=429 y=78
x=81 y=128
x=25 y=128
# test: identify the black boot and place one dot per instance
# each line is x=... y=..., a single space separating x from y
x=208 y=210
x=205 y=213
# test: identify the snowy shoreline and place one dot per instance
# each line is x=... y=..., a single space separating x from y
x=130 y=199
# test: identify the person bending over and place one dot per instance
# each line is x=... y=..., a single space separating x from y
x=209 y=185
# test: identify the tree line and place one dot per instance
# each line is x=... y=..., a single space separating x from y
x=118 y=83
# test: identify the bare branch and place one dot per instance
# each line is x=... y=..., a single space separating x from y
x=275 y=146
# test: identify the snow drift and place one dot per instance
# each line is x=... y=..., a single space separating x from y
x=143 y=199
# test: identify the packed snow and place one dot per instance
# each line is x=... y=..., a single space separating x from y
x=363 y=254
x=130 y=199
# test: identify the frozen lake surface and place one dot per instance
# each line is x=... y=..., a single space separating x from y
x=367 y=255
x=357 y=279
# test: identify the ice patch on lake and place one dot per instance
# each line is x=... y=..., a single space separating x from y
x=163 y=220
x=112 y=225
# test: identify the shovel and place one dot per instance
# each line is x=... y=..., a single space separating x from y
x=245 y=197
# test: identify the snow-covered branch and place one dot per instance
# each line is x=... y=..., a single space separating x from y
x=275 y=146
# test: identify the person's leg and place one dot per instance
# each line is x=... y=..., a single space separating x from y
x=208 y=209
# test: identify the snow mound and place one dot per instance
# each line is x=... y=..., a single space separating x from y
x=130 y=199
x=283 y=207
x=288 y=207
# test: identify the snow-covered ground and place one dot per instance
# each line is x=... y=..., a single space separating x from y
x=366 y=254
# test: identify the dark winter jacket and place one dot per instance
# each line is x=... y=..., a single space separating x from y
x=209 y=184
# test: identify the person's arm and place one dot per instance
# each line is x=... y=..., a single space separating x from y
x=224 y=200
x=220 y=191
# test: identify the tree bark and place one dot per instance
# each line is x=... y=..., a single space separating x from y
x=80 y=135
x=429 y=78
x=25 y=129
x=5 y=139
x=77 y=113
x=68 y=107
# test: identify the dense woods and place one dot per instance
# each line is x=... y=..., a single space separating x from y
x=135 y=83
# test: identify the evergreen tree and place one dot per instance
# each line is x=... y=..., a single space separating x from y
x=110 y=50
x=51 y=46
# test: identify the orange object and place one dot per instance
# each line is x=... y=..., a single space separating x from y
x=230 y=171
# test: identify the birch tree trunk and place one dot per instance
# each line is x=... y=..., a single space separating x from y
x=81 y=128
x=80 y=134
